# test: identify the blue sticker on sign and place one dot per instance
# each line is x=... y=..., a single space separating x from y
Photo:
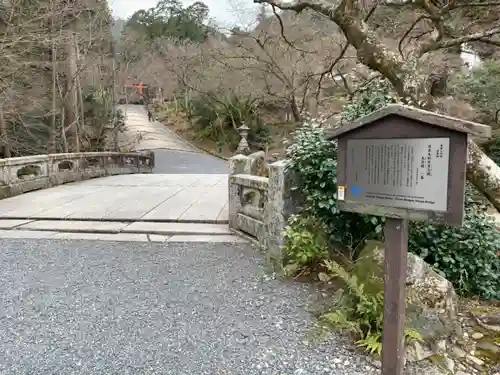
x=356 y=190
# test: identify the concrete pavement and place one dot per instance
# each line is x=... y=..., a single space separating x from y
x=147 y=204
x=117 y=231
x=172 y=153
x=154 y=134
x=144 y=197
x=188 y=162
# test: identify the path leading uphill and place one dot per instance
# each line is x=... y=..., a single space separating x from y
x=172 y=154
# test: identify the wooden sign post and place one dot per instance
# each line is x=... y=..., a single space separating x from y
x=404 y=164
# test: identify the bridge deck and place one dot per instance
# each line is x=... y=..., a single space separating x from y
x=144 y=197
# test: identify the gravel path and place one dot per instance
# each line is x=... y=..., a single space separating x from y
x=82 y=307
x=90 y=307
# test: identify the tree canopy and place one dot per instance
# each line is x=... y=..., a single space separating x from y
x=169 y=19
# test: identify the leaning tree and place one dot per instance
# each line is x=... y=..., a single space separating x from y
x=426 y=27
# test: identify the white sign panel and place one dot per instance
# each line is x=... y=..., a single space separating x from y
x=405 y=173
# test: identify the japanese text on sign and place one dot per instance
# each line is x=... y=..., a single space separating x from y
x=406 y=173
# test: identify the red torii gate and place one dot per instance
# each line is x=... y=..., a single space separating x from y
x=139 y=86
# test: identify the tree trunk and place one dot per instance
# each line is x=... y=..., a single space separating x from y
x=79 y=89
x=71 y=91
x=4 y=135
x=114 y=102
x=295 y=109
x=484 y=173
x=63 y=132
x=53 y=122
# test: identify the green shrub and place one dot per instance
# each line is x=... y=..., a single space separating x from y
x=481 y=88
x=305 y=244
x=313 y=158
x=466 y=255
x=376 y=95
x=219 y=117
x=360 y=312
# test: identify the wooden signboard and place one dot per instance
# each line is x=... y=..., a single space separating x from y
x=405 y=164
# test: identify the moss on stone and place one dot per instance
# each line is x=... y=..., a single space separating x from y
x=368 y=271
x=488 y=351
x=439 y=360
x=5 y=192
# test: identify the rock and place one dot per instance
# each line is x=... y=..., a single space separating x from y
x=477 y=335
x=431 y=299
x=488 y=346
x=458 y=352
x=461 y=367
x=415 y=352
x=474 y=360
x=440 y=346
x=449 y=364
x=490 y=322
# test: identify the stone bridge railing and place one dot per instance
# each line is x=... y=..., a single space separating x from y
x=260 y=200
x=22 y=174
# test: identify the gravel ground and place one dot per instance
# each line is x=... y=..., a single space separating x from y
x=83 y=307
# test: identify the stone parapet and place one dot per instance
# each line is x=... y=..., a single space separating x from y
x=27 y=173
x=260 y=200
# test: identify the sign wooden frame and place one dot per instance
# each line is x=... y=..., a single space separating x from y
x=402 y=122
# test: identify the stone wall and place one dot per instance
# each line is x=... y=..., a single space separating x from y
x=260 y=199
x=28 y=173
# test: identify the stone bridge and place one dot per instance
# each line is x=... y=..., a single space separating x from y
x=165 y=190
x=143 y=195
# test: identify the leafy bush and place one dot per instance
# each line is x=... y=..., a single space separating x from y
x=376 y=95
x=360 y=312
x=219 y=117
x=481 y=88
x=313 y=158
x=305 y=244
x=467 y=255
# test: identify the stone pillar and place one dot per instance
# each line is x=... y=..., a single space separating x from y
x=274 y=215
x=243 y=147
x=238 y=164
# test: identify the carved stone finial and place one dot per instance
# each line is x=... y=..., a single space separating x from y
x=243 y=147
